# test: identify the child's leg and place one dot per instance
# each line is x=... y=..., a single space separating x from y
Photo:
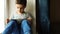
x=25 y=26
x=11 y=28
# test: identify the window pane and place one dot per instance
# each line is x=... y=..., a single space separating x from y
x=1 y=15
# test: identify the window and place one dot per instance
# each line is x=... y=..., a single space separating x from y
x=1 y=16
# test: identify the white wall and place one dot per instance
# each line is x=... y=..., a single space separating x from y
x=6 y=10
x=30 y=8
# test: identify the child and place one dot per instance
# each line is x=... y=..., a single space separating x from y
x=20 y=13
x=19 y=22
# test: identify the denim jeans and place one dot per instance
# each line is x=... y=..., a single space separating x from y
x=14 y=28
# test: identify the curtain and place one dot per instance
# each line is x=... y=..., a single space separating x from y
x=43 y=22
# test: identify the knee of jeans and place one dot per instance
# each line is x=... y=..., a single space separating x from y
x=24 y=20
x=12 y=21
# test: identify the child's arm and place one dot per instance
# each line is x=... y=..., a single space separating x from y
x=29 y=18
x=9 y=18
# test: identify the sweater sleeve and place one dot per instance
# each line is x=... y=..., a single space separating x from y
x=28 y=15
x=11 y=16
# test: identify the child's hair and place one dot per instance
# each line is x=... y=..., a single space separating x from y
x=23 y=2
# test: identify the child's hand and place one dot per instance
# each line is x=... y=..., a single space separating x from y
x=29 y=19
x=7 y=20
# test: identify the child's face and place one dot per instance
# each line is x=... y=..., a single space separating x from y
x=20 y=8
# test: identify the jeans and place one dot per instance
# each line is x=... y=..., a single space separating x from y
x=14 y=28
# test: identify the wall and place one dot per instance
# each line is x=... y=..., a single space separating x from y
x=6 y=9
